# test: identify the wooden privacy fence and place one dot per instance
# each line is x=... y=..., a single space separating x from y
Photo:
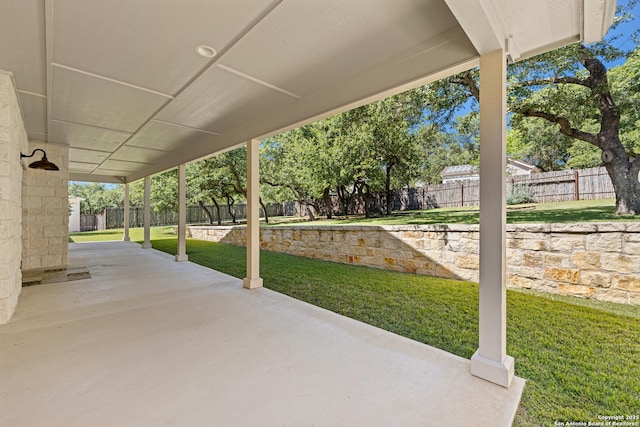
x=88 y=222
x=558 y=186
x=114 y=217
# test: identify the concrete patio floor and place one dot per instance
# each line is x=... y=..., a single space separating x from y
x=151 y=342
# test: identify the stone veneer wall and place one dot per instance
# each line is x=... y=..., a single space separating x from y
x=590 y=260
x=13 y=140
x=45 y=210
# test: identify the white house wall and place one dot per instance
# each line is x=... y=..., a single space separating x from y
x=13 y=140
x=45 y=210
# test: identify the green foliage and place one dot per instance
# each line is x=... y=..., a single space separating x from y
x=96 y=196
x=519 y=194
x=439 y=148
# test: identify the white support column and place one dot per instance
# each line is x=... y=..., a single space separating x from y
x=147 y=213
x=182 y=214
x=126 y=237
x=491 y=361
x=253 y=279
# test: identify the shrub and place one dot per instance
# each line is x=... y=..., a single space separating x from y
x=520 y=193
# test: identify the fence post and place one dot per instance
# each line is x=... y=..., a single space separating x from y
x=462 y=194
x=576 y=186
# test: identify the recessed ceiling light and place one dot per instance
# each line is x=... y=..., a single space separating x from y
x=206 y=51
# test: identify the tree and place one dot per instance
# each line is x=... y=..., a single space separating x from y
x=384 y=131
x=96 y=196
x=578 y=102
x=571 y=89
x=458 y=144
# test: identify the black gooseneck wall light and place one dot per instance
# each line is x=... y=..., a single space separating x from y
x=43 y=164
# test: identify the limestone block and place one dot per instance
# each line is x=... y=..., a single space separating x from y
x=453 y=245
x=611 y=227
x=466 y=274
x=467 y=261
x=557 y=260
x=562 y=274
x=545 y=286
x=514 y=257
x=470 y=235
x=612 y=295
x=628 y=283
x=604 y=242
x=389 y=242
x=429 y=265
x=634 y=298
x=530 y=272
x=521 y=282
x=444 y=270
x=576 y=290
x=532 y=259
x=449 y=257
x=566 y=243
x=595 y=278
x=583 y=228
x=633 y=227
x=586 y=260
x=412 y=234
x=620 y=263
x=630 y=247
x=469 y=246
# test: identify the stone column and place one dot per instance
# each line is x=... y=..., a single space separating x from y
x=490 y=360
x=13 y=141
x=147 y=213
x=182 y=214
x=253 y=279
x=126 y=237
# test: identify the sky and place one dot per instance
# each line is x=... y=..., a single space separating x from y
x=624 y=32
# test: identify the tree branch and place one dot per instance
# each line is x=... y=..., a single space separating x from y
x=565 y=125
x=558 y=80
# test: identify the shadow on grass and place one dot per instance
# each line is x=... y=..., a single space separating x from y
x=585 y=214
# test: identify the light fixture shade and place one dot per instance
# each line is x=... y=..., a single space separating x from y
x=43 y=164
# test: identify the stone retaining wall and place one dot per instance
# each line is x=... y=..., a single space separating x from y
x=590 y=260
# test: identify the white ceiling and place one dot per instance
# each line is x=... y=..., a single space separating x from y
x=120 y=83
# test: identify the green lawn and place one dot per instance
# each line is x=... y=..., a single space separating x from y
x=580 y=211
x=135 y=234
x=580 y=358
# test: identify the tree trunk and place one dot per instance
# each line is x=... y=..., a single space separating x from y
x=387 y=187
x=215 y=203
x=232 y=209
x=207 y=211
x=326 y=196
x=625 y=176
x=264 y=208
x=309 y=210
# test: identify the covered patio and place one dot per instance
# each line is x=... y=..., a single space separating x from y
x=188 y=346
x=119 y=92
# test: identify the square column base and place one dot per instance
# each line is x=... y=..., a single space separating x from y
x=146 y=246
x=490 y=370
x=252 y=283
x=126 y=239
x=180 y=258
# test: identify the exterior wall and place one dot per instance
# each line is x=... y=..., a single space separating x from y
x=13 y=140
x=45 y=210
x=74 y=217
x=595 y=260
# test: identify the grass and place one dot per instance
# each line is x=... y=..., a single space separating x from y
x=580 y=357
x=135 y=234
x=565 y=212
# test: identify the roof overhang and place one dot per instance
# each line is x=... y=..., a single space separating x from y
x=122 y=85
